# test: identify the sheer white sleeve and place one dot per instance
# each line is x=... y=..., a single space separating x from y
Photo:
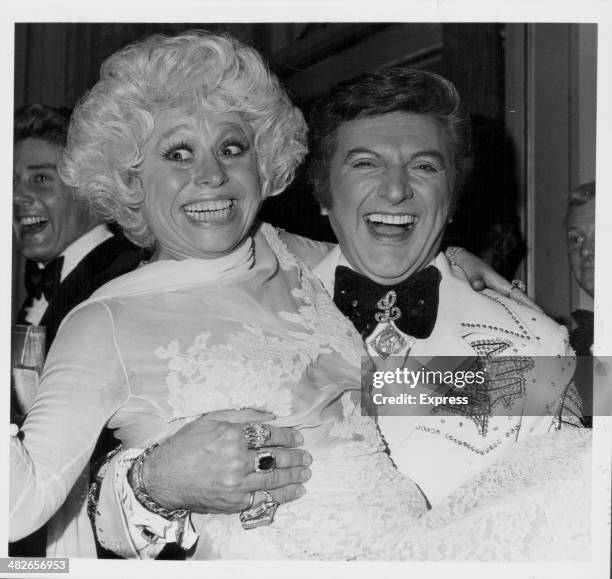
x=83 y=384
x=311 y=252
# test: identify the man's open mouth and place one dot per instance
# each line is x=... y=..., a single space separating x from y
x=390 y=224
x=32 y=224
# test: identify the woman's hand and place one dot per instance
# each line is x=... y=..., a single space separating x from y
x=206 y=468
x=481 y=275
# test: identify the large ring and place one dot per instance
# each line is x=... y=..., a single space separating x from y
x=261 y=515
x=519 y=285
x=255 y=434
x=265 y=462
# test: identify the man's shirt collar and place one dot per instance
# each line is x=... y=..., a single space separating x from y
x=78 y=249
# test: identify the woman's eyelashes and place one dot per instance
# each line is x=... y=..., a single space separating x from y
x=182 y=152
x=234 y=148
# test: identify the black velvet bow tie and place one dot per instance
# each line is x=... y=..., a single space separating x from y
x=39 y=282
x=413 y=305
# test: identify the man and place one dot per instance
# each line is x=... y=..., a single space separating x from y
x=580 y=226
x=69 y=252
x=389 y=154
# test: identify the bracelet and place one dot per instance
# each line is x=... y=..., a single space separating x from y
x=451 y=254
x=135 y=481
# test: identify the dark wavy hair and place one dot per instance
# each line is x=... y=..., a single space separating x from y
x=41 y=122
x=377 y=93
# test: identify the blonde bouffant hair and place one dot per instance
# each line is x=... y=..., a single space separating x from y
x=190 y=72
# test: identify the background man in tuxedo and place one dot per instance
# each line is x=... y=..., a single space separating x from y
x=581 y=251
x=580 y=226
x=69 y=252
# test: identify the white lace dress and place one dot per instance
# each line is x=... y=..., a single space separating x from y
x=164 y=345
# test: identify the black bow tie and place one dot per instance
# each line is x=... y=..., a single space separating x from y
x=412 y=304
x=581 y=337
x=45 y=281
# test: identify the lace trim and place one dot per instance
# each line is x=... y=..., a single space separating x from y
x=251 y=367
x=319 y=314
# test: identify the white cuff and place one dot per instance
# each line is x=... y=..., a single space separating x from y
x=145 y=528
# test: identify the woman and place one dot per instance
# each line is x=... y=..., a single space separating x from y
x=180 y=142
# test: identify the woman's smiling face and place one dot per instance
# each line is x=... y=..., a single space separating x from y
x=201 y=183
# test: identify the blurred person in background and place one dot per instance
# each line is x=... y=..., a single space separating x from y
x=580 y=226
x=69 y=252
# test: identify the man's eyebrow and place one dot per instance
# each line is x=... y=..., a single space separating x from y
x=430 y=153
x=435 y=153
x=51 y=166
x=359 y=151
